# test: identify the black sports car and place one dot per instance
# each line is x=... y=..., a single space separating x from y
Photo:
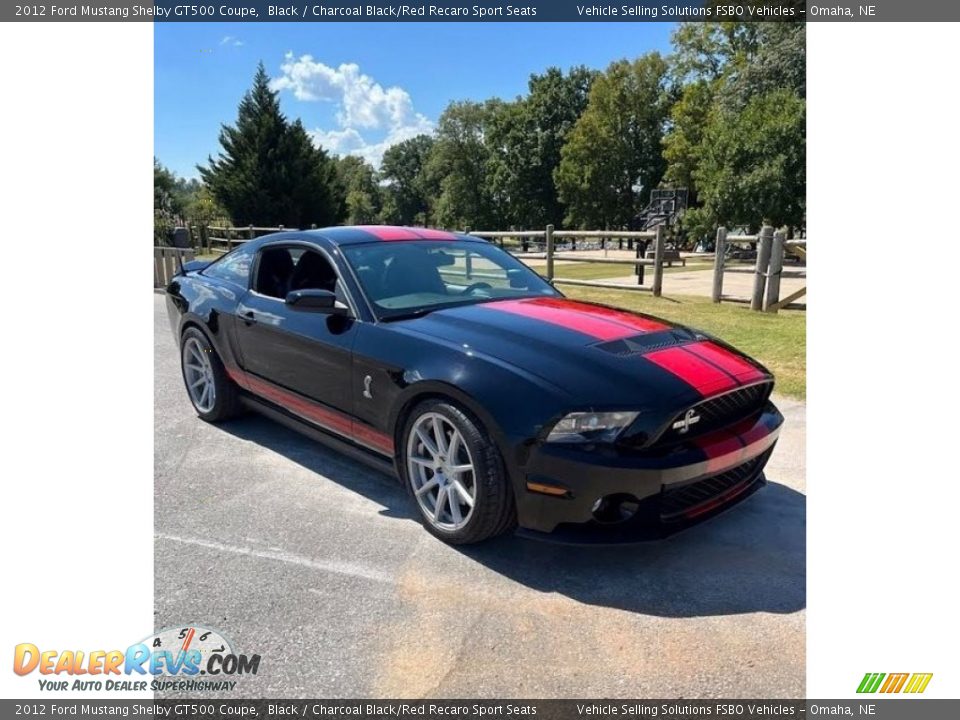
x=498 y=402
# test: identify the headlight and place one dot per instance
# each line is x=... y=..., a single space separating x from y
x=584 y=427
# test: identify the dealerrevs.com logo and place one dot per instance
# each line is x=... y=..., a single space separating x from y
x=188 y=658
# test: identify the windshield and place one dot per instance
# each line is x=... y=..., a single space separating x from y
x=411 y=277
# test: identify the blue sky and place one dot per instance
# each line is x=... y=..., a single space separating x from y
x=359 y=87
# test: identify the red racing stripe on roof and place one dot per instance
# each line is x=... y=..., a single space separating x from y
x=394 y=233
x=389 y=232
x=580 y=317
x=704 y=377
x=431 y=234
x=743 y=371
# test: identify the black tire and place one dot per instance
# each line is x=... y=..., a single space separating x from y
x=494 y=512
x=226 y=403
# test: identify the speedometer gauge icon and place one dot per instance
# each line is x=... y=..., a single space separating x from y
x=193 y=639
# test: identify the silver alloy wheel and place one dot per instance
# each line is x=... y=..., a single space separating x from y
x=441 y=472
x=198 y=374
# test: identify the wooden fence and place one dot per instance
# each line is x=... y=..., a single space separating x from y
x=772 y=247
x=550 y=245
x=166 y=264
x=569 y=238
x=222 y=239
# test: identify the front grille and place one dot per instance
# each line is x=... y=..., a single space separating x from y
x=690 y=500
x=718 y=412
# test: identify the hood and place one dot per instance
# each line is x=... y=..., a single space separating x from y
x=601 y=355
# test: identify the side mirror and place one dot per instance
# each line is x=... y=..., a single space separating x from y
x=315 y=300
x=517 y=279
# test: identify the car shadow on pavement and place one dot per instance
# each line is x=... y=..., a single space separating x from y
x=751 y=558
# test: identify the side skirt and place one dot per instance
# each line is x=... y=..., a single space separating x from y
x=377 y=462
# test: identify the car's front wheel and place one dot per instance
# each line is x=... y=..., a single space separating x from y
x=211 y=391
x=455 y=474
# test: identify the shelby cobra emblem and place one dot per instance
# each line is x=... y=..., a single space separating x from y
x=689 y=418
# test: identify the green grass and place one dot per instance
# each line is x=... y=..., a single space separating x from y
x=778 y=341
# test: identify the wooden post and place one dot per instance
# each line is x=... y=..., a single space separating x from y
x=718 y=261
x=158 y=267
x=658 y=261
x=773 y=277
x=764 y=243
x=549 y=238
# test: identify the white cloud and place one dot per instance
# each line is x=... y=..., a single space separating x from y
x=231 y=40
x=362 y=105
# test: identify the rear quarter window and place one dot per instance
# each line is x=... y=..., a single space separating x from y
x=233 y=267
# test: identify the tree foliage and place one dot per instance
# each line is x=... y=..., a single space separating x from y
x=269 y=172
x=408 y=192
x=615 y=145
x=723 y=116
x=459 y=164
x=737 y=133
x=359 y=181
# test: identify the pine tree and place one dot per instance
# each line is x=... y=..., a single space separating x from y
x=268 y=171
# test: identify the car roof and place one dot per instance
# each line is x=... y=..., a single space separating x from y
x=354 y=234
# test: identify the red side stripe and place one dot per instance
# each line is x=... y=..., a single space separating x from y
x=571 y=315
x=726 y=360
x=326 y=417
x=693 y=370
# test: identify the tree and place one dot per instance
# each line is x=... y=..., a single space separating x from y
x=458 y=165
x=524 y=139
x=616 y=144
x=682 y=143
x=754 y=162
x=359 y=181
x=408 y=192
x=719 y=143
x=269 y=172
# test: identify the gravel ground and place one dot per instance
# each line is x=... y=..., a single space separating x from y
x=317 y=563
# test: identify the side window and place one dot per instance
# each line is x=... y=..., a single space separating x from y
x=281 y=270
x=234 y=266
x=274 y=272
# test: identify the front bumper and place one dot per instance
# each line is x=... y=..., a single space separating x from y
x=669 y=488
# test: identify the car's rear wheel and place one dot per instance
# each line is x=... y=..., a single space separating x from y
x=212 y=393
x=455 y=475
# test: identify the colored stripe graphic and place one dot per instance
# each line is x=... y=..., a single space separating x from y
x=870 y=682
x=895 y=683
x=321 y=415
x=918 y=682
x=726 y=361
x=597 y=322
x=390 y=232
x=705 y=377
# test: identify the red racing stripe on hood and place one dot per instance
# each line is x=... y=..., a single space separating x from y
x=727 y=361
x=598 y=322
x=701 y=375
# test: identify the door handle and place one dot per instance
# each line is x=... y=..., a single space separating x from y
x=249 y=317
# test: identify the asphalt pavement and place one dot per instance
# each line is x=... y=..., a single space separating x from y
x=318 y=564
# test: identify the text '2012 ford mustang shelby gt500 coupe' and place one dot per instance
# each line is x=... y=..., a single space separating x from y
x=498 y=402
